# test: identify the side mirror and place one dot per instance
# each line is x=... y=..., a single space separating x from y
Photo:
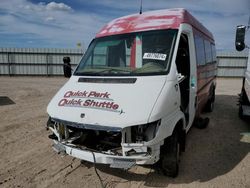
x=240 y=37
x=67 y=67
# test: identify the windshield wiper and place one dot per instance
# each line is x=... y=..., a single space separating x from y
x=115 y=70
x=104 y=71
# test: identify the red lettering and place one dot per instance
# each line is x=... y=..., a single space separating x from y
x=62 y=102
x=87 y=103
x=105 y=104
x=115 y=106
x=75 y=94
x=72 y=102
x=106 y=95
x=68 y=94
x=99 y=95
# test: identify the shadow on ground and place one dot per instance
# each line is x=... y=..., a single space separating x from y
x=5 y=101
x=210 y=152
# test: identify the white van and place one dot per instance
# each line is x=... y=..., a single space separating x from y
x=136 y=92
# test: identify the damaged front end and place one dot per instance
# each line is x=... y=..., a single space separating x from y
x=121 y=148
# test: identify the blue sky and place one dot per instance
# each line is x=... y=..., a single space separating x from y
x=64 y=23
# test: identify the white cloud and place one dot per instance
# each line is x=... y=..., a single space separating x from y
x=58 y=6
x=49 y=19
x=52 y=6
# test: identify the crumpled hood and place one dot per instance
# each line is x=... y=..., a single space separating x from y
x=106 y=104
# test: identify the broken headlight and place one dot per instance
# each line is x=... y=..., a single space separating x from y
x=145 y=132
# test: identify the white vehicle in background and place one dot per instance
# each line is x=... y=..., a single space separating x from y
x=244 y=101
x=139 y=87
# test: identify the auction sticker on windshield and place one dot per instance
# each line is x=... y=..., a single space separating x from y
x=155 y=56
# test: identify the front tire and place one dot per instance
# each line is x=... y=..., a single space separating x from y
x=170 y=156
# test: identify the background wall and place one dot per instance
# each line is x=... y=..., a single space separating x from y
x=49 y=61
x=36 y=61
x=231 y=64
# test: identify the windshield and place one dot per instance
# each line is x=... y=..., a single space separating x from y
x=144 y=53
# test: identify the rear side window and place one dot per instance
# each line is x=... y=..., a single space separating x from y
x=200 y=50
x=213 y=53
x=205 y=51
x=208 y=52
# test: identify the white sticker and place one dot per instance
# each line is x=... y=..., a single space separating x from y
x=156 y=56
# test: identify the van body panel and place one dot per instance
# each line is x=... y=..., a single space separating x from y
x=167 y=127
x=132 y=102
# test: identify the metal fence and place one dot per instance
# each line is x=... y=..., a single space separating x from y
x=231 y=64
x=49 y=61
x=36 y=61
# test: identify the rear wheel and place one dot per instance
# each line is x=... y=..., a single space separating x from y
x=210 y=103
x=243 y=100
x=210 y=106
x=241 y=115
x=170 y=156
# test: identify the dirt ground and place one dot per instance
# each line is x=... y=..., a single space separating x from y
x=218 y=156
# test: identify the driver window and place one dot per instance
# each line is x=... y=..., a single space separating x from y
x=183 y=68
x=182 y=59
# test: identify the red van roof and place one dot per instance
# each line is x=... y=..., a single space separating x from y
x=153 y=20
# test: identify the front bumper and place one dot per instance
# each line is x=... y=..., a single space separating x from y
x=76 y=142
x=115 y=161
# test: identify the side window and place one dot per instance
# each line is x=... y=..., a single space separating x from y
x=208 y=52
x=200 y=50
x=99 y=56
x=213 y=53
x=182 y=58
x=183 y=67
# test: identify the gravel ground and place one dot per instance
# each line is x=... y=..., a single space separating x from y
x=217 y=156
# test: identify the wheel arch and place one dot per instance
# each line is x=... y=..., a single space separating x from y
x=168 y=126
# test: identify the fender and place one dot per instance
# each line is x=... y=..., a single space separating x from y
x=167 y=127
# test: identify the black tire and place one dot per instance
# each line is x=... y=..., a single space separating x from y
x=209 y=106
x=201 y=123
x=210 y=103
x=241 y=115
x=243 y=101
x=170 y=156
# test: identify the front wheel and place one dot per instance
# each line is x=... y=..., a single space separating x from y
x=170 y=156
